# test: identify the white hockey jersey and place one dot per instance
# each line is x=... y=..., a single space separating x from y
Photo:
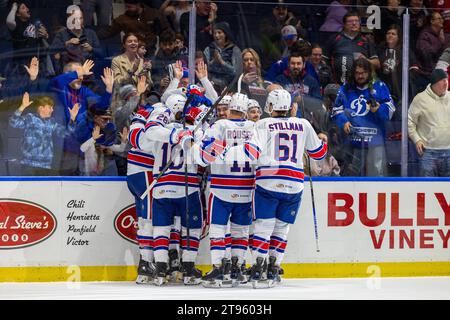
x=277 y=146
x=140 y=158
x=172 y=183
x=232 y=177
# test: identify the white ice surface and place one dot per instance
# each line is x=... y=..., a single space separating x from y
x=435 y=288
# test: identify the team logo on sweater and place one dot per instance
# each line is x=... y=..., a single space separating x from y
x=24 y=224
x=125 y=224
x=359 y=106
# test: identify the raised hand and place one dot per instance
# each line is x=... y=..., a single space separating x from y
x=25 y=102
x=74 y=111
x=178 y=70
x=108 y=79
x=142 y=85
x=96 y=133
x=202 y=70
x=86 y=68
x=124 y=135
x=33 y=69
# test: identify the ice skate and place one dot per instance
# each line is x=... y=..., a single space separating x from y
x=273 y=273
x=146 y=272
x=160 y=274
x=191 y=275
x=219 y=276
x=174 y=272
x=258 y=274
x=237 y=273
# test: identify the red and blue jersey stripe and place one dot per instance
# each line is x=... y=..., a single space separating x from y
x=232 y=182
x=252 y=150
x=178 y=179
x=141 y=159
x=319 y=153
x=280 y=172
x=133 y=137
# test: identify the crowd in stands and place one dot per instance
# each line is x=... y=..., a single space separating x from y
x=71 y=75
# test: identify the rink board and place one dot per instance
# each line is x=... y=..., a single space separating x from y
x=82 y=229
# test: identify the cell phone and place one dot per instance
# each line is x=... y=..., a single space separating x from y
x=83 y=39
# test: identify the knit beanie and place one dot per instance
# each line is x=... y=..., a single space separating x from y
x=438 y=75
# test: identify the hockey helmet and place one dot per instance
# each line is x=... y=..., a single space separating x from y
x=239 y=102
x=278 y=100
x=225 y=100
x=175 y=103
x=252 y=103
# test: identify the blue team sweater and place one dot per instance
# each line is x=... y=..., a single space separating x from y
x=68 y=96
x=351 y=105
x=38 y=134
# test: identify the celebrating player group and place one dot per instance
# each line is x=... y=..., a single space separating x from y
x=187 y=158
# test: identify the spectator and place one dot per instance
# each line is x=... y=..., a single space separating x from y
x=390 y=15
x=417 y=20
x=75 y=43
x=362 y=107
x=428 y=126
x=350 y=45
x=128 y=66
x=166 y=54
x=270 y=31
x=103 y=10
x=145 y=22
x=290 y=37
x=69 y=88
x=254 y=111
x=296 y=81
x=253 y=83
x=179 y=43
x=333 y=21
x=29 y=39
x=224 y=58
x=321 y=70
x=430 y=45
x=443 y=7
x=327 y=167
x=173 y=10
x=98 y=139
x=39 y=129
x=206 y=17
x=180 y=81
x=301 y=47
x=390 y=53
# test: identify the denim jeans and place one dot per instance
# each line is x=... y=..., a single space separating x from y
x=103 y=9
x=435 y=163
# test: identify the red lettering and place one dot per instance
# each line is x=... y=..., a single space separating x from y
x=424 y=238
x=381 y=215
x=391 y=239
x=421 y=220
x=445 y=207
x=403 y=237
x=444 y=237
x=346 y=208
x=396 y=221
x=377 y=242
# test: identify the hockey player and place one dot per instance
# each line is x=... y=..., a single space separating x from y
x=139 y=176
x=169 y=200
x=254 y=111
x=231 y=185
x=277 y=145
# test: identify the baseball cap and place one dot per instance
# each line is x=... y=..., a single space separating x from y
x=289 y=32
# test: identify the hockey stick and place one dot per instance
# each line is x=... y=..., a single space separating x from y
x=308 y=163
x=186 y=180
x=198 y=126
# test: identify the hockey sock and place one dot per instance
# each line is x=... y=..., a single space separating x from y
x=145 y=239
x=217 y=243
x=239 y=241
x=161 y=243
x=263 y=229
x=190 y=253
x=278 y=240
